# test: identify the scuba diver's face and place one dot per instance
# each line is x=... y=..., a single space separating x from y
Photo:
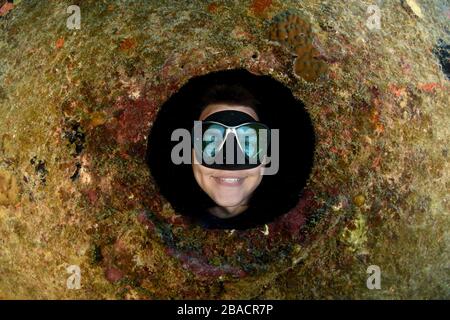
x=229 y=189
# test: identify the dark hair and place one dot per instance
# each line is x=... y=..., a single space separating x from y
x=229 y=94
x=276 y=107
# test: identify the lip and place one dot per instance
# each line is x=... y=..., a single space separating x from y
x=229 y=181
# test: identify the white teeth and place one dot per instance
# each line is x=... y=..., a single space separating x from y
x=230 y=180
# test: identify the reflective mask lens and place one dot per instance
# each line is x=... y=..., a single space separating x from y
x=250 y=138
x=251 y=141
x=213 y=136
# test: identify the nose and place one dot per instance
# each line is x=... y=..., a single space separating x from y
x=233 y=153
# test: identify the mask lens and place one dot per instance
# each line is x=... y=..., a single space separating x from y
x=212 y=138
x=253 y=138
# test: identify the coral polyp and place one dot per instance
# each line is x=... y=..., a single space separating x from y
x=295 y=34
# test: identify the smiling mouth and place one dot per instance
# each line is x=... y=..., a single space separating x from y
x=229 y=181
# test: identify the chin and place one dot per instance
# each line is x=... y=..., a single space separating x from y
x=226 y=202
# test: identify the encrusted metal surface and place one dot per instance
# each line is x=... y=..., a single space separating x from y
x=76 y=107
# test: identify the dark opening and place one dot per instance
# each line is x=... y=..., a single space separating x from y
x=442 y=52
x=277 y=108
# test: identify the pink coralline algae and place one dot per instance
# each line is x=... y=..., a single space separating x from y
x=197 y=265
x=292 y=223
x=133 y=120
x=113 y=274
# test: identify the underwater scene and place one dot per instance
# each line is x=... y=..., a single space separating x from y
x=123 y=123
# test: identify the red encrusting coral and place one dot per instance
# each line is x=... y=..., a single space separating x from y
x=134 y=119
x=200 y=267
x=291 y=224
x=259 y=7
x=113 y=274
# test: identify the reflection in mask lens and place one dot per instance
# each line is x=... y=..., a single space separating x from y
x=249 y=139
x=248 y=136
x=212 y=138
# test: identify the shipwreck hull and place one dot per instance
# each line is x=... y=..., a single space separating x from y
x=77 y=106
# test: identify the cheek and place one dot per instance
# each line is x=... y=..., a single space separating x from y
x=202 y=176
x=198 y=174
x=253 y=181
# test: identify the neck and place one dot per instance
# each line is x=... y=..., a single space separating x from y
x=227 y=212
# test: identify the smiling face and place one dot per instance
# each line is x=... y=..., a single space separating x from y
x=231 y=190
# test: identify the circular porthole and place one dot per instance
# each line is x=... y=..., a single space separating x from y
x=192 y=192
